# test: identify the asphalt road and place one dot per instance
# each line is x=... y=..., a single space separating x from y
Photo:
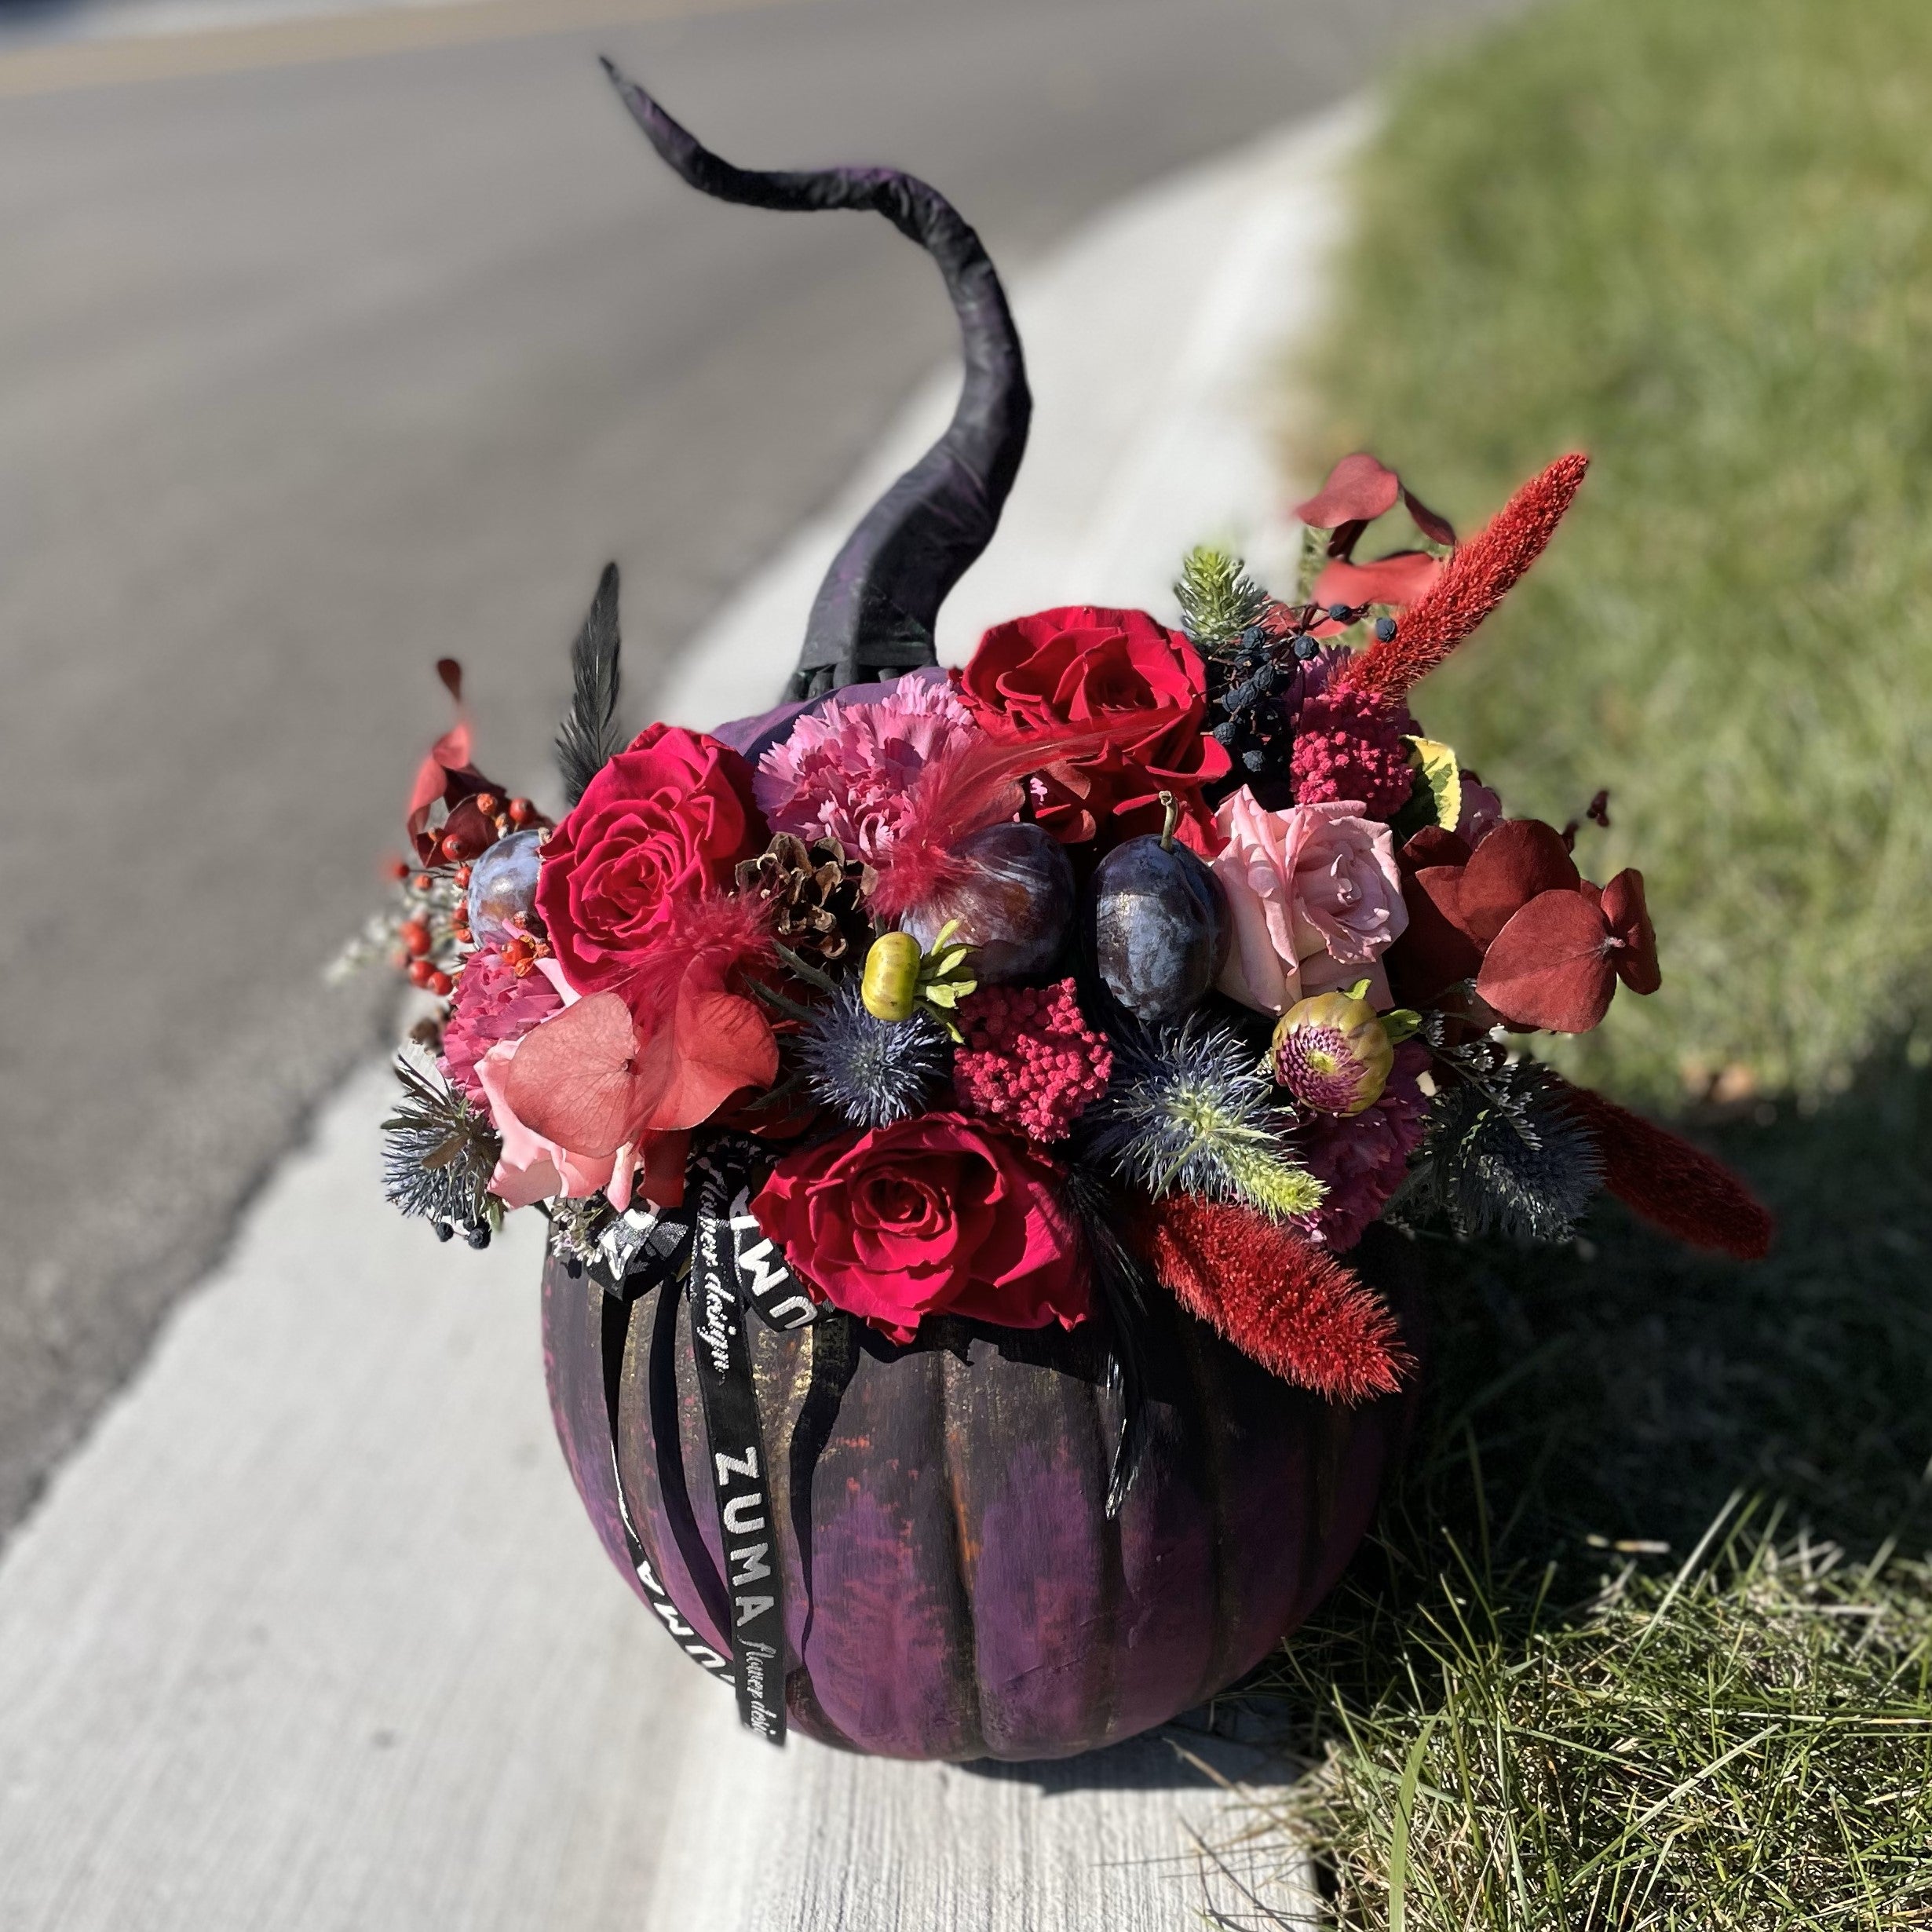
x=330 y=347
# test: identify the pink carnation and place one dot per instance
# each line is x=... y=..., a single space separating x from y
x=1363 y=1157
x=848 y=771
x=491 y=1004
x=1029 y=1060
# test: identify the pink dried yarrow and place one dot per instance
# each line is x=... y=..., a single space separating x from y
x=849 y=771
x=1029 y=1060
x=1349 y=746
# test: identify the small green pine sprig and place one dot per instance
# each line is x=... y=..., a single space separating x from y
x=1219 y=600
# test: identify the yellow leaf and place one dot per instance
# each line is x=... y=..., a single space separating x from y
x=1444 y=778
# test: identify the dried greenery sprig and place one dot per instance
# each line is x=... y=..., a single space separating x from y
x=439 y=1153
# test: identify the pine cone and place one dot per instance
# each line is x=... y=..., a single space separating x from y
x=819 y=894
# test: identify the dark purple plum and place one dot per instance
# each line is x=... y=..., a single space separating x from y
x=1158 y=924
x=1015 y=908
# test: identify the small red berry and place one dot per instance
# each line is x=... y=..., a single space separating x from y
x=422 y=882
x=419 y=972
x=414 y=935
x=462 y=875
x=486 y=803
x=397 y=868
x=521 y=811
x=439 y=984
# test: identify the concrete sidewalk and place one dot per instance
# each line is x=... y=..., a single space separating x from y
x=312 y=1634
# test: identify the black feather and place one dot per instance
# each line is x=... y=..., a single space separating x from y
x=589 y=737
x=1126 y=1290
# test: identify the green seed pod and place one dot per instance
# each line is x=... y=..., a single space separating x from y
x=891 y=980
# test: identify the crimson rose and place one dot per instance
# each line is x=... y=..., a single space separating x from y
x=931 y=1215
x=662 y=821
x=1083 y=666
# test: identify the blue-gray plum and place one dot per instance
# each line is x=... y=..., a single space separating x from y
x=1158 y=924
x=503 y=882
x=1014 y=907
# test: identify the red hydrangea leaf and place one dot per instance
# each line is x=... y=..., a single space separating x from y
x=1278 y=1297
x=1359 y=489
x=1519 y=859
x=574 y=1079
x=1672 y=1185
x=1435 y=845
x=1628 y=919
x=1550 y=967
x=1431 y=523
x=1433 y=952
x=713 y=1044
x=1398 y=579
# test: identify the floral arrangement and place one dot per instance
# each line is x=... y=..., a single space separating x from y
x=1125 y=961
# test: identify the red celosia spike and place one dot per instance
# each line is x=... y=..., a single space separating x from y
x=1292 y=1306
x=1672 y=1185
x=1475 y=581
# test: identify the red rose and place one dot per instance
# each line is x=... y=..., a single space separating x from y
x=662 y=821
x=931 y=1215
x=1083 y=666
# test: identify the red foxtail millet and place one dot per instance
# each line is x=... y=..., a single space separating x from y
x=1476 y=578
x=1670 y=1183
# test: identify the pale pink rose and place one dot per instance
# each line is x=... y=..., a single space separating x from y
x=1315 y=898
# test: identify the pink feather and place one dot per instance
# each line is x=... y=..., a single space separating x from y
x=973 y=785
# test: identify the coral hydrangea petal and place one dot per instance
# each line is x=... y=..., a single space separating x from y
x=1359 y=489
x=1399 y=579
x=572 y=1080
x=714 y=1043
x=1519 y=859
x=1550 y=967
x=1628 y=919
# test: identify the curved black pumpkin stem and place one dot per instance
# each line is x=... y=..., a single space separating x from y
x=875 y=612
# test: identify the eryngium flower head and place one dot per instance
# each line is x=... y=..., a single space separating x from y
x=1188 y=1112
x=873 y=1071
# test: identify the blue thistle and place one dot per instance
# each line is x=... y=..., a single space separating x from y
x=873 y=1071
x=1504 y=1156
x=1189 y=1112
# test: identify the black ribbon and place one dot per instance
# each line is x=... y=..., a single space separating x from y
x=658 y=1597
x=641 y=1249
x=753 y=1571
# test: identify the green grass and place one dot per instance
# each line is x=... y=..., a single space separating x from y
x=1695 y=238
x=1694 y=1731
x=1645 y=1636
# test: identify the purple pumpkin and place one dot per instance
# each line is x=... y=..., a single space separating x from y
x=953 y=1588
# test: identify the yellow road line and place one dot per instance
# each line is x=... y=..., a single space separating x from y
x=61 y=66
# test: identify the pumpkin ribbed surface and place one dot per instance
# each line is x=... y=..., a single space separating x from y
x=953 y=1588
